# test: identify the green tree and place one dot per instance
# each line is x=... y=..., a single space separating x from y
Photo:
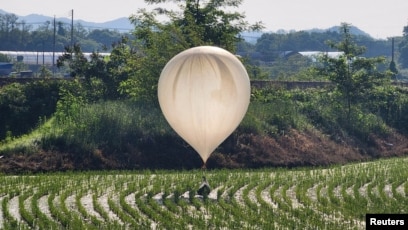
x=5 y=58
x=74 y=58
x=104 y=37
x=291 y=67
x=42 y=39
x=393 y=68
x=355 y=76
x=8 y=31
x=22 y=105
x=196 y=23
x=61 y=30
x=100 y=75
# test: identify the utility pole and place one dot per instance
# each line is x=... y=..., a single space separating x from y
x=72 y=27
x=392 y=50
x=53 y=49
x=393 y=66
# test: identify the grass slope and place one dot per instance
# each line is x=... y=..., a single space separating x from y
x=135 y=135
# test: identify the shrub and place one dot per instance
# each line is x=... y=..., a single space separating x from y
x=22 y=105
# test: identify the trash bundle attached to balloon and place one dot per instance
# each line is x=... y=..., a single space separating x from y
x=204 y=93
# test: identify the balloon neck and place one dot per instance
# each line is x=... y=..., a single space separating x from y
x=204 y=166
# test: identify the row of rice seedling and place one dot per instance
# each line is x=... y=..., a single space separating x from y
x=322 y=198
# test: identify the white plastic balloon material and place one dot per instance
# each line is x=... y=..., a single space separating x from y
x=204 y=93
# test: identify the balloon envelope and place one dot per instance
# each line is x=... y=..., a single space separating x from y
x=204 y=93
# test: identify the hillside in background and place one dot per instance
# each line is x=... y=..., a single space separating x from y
x=353 y=30
x=123 y=24
x=35 y=20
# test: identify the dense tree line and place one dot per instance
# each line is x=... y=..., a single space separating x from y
x=16 y=35
x=270 y=46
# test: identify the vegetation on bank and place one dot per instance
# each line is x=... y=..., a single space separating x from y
x=134 y=134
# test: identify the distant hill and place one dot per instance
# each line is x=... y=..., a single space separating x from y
x=252 y=37
x=353 y=30
x=121 y=24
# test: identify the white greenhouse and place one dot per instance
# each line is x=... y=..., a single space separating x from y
x=39 y=58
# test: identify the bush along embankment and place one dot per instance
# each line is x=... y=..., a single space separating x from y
x=282 y=128
x=22 y=105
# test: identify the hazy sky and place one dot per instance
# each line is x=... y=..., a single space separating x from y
x=379 y=18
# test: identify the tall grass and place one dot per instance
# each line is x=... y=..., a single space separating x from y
x=31 y=142
x=130 y=130
x=108 y=125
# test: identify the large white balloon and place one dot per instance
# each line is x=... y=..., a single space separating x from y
x=204 y=93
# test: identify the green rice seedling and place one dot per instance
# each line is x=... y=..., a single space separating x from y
x=93 y=221
x=25 y=213
x=43 y=222
x=56 y=213
x=336 y=197
x=9 y=221
x=135 y=214
x=251 y=204
x=144 y=207
x=123 y=216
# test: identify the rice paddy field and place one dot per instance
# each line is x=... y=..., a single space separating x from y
x=337 y=197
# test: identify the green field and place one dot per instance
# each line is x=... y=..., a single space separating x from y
x=322 y=198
